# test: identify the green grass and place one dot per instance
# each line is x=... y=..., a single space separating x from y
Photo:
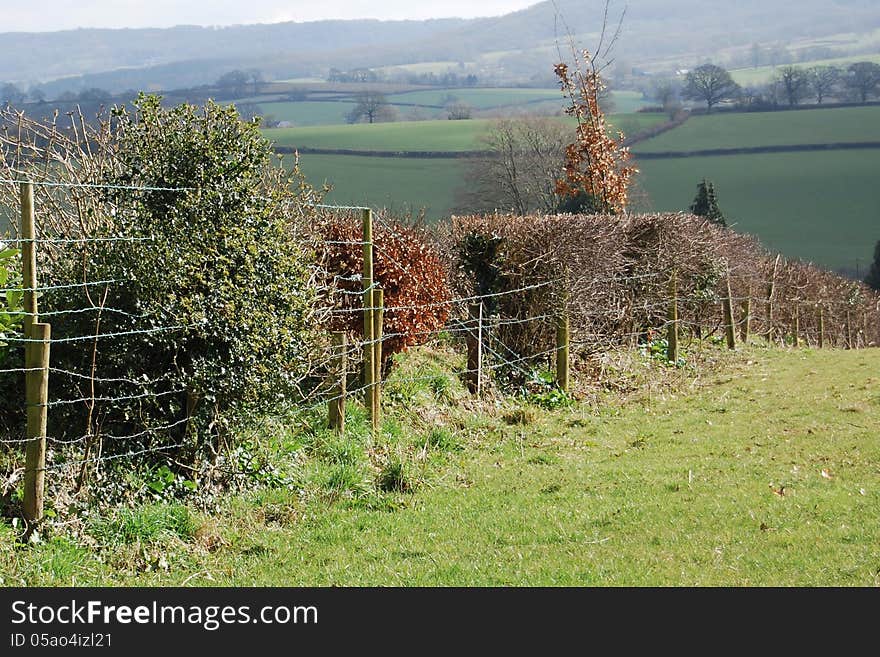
x=401 y=136
x=308 y=113
x=763 y=74
x=732 y=482
x=628 y=102
x=820 y=206
x=848 y=124
x=397 y=183
x=480 y=98
x=442 y=135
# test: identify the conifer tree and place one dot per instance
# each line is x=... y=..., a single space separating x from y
x=873 y=277
x=706 y=203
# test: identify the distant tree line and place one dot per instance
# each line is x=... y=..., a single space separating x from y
x=791 y=85
x=448 y=79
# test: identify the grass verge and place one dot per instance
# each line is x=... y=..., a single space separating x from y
x=761 y=471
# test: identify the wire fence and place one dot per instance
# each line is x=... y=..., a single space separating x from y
x=547 y=315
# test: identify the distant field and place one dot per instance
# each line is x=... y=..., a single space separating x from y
x=442 y=135
x=422 y=67
x=763 y=74
x=308 y=113
x=820 y=206
x=400 y=136
x=401 y=184
x=848 y=124
x=480 y=98
x=627 y=102
x=817 y=206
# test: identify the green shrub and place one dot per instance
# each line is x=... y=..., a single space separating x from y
x=222 y=258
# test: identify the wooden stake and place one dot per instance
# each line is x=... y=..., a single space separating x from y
x=28 y=257
x=37 y=398
x=339 y=372
x=747 y=318
x=729 y=327
x=771 y=286
x=821 y=321
x=672 y=331
x=480 y=352
x=378 y=319
x=369 y=322
x=36 y=359
x=797 y=324
x=474 y=349
x=563 y=348
x=848 y=326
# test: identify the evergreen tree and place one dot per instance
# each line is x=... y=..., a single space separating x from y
x=873 y=277
x=706 y=203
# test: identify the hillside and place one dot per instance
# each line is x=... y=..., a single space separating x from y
x=517 y=44
x=673 y=488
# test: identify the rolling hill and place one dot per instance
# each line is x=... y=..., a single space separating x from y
x=519 y=44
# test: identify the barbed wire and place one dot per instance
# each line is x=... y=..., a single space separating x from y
x=79 y=185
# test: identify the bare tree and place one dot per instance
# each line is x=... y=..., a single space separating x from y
x=863 y=78
x=823 y=80
x=371 y=106
x=793 y=83
x=666 y=93
x=711 y=84
x=256 y=78
x=458 y=111
x=523 y=159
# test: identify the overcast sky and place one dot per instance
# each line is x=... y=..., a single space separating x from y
x=50 y=15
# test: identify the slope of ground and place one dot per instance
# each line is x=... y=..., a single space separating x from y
x=758 y=129
x=819 y=206
x=731 y=481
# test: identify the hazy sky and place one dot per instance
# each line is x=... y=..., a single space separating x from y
x=68 y=14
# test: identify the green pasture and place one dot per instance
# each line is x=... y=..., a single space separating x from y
x=442 y=135
x=819 y=206
x=482 y=98
x=761 y=472
x=308 y=113
x=438 y=135
x=400 y=184
x=755 y=129
x=749 y=77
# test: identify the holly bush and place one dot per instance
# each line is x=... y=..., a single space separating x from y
x=216 y=296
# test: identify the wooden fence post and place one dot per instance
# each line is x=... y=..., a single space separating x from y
x=821 y=322
x=771 y=287
x=797 y=323
x=729 y=326
x=848 y=328
x=563 y=347
x=339 y=371
x=474 y=340
x=378 y=319
x=36 y=362
x=369 y=310
x=672 y=329
x=747 y=317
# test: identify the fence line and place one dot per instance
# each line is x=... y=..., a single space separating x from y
x=636 y=310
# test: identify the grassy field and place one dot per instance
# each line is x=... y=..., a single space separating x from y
x=848 y=124
x=308 y=113
x=401 y=184
x=730 y=480
x=399 y=136
x=483 y=98
x=763 y=74
x=820 y=206
x=442 y=135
